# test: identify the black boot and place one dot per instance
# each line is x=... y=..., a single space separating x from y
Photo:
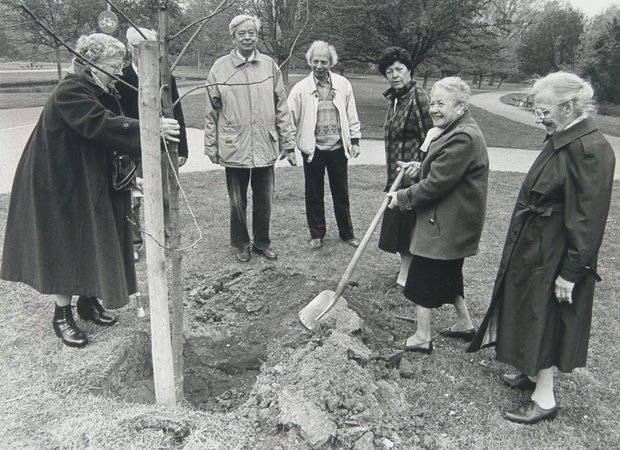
x=89 y=308
x=66 y=329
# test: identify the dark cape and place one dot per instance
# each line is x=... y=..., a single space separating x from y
x=67 y=230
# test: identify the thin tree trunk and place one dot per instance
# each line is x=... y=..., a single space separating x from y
x=161 y=348
x=58 y=63
x=175 y=232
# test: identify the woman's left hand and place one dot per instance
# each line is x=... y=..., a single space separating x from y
x=411 y=168
x=564 y=290
x=169 y=129
x=393 y=200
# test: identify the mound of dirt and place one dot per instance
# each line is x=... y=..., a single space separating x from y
x=248 y=353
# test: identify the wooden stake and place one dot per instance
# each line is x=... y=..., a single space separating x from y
x=154 y=224
x=175 y=231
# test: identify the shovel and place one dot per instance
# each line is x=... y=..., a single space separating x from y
x=322 y=303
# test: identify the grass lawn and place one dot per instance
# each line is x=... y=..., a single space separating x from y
x=47 y=394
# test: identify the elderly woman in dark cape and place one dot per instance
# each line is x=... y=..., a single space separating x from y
x=541 y=308
x=67 y=231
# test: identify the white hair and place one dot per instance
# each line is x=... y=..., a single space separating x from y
x=134 y=37
x=567 y=87
x=99 y=46
x=242 y=18
x=456 y=87
x=322 y=44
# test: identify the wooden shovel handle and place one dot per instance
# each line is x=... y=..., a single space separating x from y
x=371 y=228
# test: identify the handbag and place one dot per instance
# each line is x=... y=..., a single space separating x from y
x=123 y=170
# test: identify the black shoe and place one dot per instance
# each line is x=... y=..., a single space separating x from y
x=89 y=308
x=467 y=336
x=66 y=329
x=424 y=347
x=268 y=253
x=530 y=413
x=520 y=381
x=243 y=255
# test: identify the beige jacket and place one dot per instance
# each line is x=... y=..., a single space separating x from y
x=247 y=117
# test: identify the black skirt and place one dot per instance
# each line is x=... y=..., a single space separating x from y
x=396 y=229
x=432 y=283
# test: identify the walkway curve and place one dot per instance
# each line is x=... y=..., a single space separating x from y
x=17 y=124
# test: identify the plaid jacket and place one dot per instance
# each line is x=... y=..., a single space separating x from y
x=405 y=128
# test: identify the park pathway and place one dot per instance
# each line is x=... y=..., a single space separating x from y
x=17 y=124
x=491 y=102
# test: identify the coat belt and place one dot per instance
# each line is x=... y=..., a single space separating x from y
x=543 y=211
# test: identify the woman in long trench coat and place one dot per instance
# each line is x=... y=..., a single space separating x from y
x=67 y=231
x=541 y=307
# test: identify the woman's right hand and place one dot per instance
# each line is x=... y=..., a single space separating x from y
x=169 y=129
x=393 y=200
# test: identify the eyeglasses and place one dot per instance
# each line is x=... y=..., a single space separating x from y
x=542 y=113
x=118 y=67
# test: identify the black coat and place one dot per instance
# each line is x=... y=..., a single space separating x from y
x=130 y=104
x=556 y=229
x=67 y=231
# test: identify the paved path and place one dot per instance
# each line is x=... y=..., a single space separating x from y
x=490 y=101
x=16 y=126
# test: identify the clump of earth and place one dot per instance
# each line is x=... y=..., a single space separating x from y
x=337 y=386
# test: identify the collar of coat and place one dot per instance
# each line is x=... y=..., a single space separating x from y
x=465 y=117
x=392 y=93
x=83 y=71
x=581 y=128
x=239 y=61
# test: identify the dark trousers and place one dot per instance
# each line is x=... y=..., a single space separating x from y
x=314 y=172
x=262 y=182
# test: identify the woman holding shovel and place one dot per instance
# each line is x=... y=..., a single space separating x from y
x=449 y=196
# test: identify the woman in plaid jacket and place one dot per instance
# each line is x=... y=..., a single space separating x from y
x=407 y=121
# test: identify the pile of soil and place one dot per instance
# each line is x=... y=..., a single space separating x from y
x=248 y=354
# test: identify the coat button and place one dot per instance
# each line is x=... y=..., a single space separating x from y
x=126 y=125
x=431 y=221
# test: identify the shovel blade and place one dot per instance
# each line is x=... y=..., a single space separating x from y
x=312 y=310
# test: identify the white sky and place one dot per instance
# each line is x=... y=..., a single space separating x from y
x=593 y=7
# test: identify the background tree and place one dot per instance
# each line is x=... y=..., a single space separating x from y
x=68 y=18
x=600 y=55
x=364 y=28
x=551 y=43
x=282 y=22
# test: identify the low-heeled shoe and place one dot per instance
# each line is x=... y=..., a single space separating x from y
x=530 y=413
x=243 y=255
x=89 y=308
x=353 y=242
x=316 y=243
x=420 y=348
x=268 y=253
x=467 y=335
x=520 y=381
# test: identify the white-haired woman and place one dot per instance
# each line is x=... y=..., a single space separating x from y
x=67 y=231
x=541 y=307
x=449 y=196
x=328 y=134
